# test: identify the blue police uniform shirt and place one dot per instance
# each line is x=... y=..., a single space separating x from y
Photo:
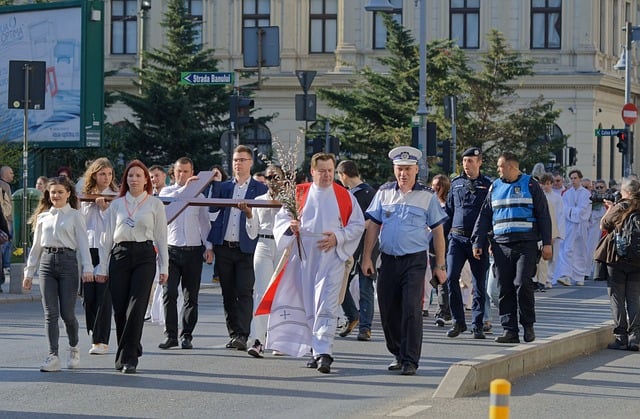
x=405 y=218
x=464 y=201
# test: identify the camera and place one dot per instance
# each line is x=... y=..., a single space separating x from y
x=609 y=196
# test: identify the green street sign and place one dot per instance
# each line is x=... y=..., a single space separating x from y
x=205 y=78
x=608 y=132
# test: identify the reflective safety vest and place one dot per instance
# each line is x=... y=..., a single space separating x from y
x=512 y=205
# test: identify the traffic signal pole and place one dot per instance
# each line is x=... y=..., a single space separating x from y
x=626 y=166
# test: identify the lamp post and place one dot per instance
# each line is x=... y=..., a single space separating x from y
x=632 y=33
x=421 y=112
x=145 y=6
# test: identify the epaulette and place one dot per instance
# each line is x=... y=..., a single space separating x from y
x=388 y=185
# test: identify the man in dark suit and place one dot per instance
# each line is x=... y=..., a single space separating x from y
x=234 y=249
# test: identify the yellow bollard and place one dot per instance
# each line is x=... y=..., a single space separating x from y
x=500 y=392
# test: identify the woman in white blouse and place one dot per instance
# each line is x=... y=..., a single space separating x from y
x=59 y=235
x=134 y=222
x=98 y=179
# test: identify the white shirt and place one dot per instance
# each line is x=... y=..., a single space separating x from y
x=95 y=219
x=262 y=221
x=233 y=226
x=192 y=226
x=59 y=227
x=149 y=223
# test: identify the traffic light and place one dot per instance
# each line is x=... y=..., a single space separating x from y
x=334 y=146
x=623 y=141
x=573 y=156
x=240 y=111
x=313 y=145
x=445 y=156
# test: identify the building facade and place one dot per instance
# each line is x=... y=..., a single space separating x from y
x=575 y=43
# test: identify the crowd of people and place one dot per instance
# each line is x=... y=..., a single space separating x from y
x=286 y=274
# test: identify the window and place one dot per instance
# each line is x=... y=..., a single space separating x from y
x=323 y=25
x=194 y=12
x=546 y=23
x=256 y=13
x=379 y=30
x=464 y=24
x=124 y=26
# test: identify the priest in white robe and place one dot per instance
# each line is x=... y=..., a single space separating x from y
x=305 y=298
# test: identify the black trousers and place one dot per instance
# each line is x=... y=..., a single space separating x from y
x=132 y=268
x=400 y=292
x=515 y=267
x=236 y=281
x=185 y=269
x=96 y=299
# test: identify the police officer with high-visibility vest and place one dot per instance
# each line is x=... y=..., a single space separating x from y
x=517 y=212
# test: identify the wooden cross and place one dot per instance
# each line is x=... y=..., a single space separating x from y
x=190 y=196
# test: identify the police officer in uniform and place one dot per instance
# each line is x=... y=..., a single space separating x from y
x=516 y=210
x=466 y=196
x=401 y=214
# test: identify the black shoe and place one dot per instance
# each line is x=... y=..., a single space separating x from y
x=621 y=343
x=312 y=363
x=168 y=343
x=456 y=330
x=508 y=337
x=129 y=369
x=395 y=365
x=349 y=328
x=477 y=332
x=408 y=369
x=634 y=343
x=529 y=334
x=324 y=363
x=186 y=343
x=425 y=313
x=240 y=343
x=229 y=344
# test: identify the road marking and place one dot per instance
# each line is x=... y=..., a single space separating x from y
x=405 y=412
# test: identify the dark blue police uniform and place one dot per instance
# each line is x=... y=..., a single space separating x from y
x=464 y=202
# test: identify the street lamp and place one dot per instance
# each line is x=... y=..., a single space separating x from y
x=385 y=6
x=145 y=6
x=632 y=33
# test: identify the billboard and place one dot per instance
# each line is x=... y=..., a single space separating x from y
x=60 y=35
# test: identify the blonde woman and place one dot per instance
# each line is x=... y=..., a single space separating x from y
x=60 y=234
x=98 y=179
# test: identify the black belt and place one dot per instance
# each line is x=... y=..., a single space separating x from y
x=266 y=236
x=422 y=253
x=58 y=249
x=129 y=244
x=232 y=245
x=460 y=232
x=186 y=248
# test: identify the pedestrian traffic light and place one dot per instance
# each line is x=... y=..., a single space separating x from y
x=334 y=146
x=445 y=155
x=573 y=156
x=240 y=111
x=623 y=141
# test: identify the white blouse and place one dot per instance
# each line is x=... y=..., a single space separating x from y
x=59 y=227
x=95 y=219
x=135 y=219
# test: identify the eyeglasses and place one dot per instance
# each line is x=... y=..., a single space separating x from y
x=241 y=160
x=272 y=177
x=599 y=187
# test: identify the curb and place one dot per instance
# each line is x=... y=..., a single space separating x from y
x=472 y=376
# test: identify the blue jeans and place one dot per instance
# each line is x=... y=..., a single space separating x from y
x=366 y=301
x=59 y=280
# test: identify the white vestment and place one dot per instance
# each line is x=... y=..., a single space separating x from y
x=305 y=306
x=574 y=260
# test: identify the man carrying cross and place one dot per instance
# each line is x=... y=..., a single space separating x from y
x=187 y=239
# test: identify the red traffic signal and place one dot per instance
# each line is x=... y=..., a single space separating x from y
x=623 y=142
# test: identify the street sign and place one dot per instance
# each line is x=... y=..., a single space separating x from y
x=608 y=132
x=205 y=78
x=305 y=77
x=629 y=113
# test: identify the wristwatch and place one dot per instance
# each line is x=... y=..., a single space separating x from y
x=442 y=267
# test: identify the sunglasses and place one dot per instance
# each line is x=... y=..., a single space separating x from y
x=272 y=177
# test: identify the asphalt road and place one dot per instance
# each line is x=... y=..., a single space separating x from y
x=211 y=381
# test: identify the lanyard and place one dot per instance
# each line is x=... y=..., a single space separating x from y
x=131 y=213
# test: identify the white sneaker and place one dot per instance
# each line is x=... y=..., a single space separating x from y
x=580 y=283
x=99 y=349
x=564 y=280
x=52 y=363
x=74 y=357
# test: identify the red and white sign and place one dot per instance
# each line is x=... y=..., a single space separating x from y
x=629 y=114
